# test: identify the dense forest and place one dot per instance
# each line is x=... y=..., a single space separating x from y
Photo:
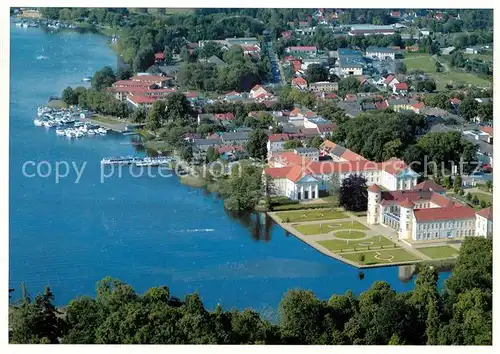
x=458 y=314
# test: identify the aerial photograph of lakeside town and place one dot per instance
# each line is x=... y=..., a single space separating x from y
x=251 y=176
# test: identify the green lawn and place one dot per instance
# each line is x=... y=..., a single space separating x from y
x=483 y=196
x=424 y=62
x=108 y=119
x=324 y=228
x=350 y=234
x=311 y=215
x=339 y=246
x=486 y=56
x=382 y=257
x=419 y=61
x=359 y=213
x=438 y=252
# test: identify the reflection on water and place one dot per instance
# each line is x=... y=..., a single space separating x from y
x=258 y=224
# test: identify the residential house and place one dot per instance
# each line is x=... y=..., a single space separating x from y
x=159 y=57
x=484 y=222
x=400 y=88
x=299 y=83
x=489 y=132
x=257 y=91
x=390 y=81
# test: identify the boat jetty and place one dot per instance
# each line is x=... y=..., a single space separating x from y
x=67 y=123
x=138 y=161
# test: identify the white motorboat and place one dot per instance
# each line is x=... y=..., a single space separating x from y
x=91 y=132
x=102 y=131
x=38 y=122
x=60 y=132
x=49 y=124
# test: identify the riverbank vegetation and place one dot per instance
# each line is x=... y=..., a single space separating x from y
x=460 y=314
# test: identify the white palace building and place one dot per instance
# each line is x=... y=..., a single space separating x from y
x=424 y=213
x=417 y=212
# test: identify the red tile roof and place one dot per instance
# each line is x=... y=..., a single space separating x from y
x=299 y=81
x=446 y=213
x=323 y=128
x=277 y=172
x=381 y=105
x=487 y=130
x=138 y=99
x=414 y=196
x=224 y=116
x=131 y=83
x=454 y=101
x=303 y=48
x=429 y=185
x=159 y=56
x=418 y=105
x=278 y=137
x=256 y=87
x=393 y=166
x=229 y=148
x=486 y=213
x=388 y=79
x=401 y=86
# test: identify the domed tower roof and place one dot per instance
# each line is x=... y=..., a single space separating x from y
x=407 y=204
x=374 y=188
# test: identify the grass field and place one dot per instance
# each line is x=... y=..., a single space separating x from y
x=483 y=196
x=311 y=215
x=382 y=257
x=339 y=246
x=350 y=235
x=439 y=252
x=317 y=229
x=424 y=62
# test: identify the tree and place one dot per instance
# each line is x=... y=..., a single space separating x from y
x=361 y=258
x=300 y=316
x=292 y=144
x=475 y=200
x=349 y=84
x=352 y=193
x=187 y=153
x=178 y=106
x=156 y=115
x=103 y=78
x=69 y=96
x=447 y=182
x=257 y=144
x=489 y=186
x=314 y=141
x=144 y=58
x=457 y=182
x=124 y=74
x=212 y=154
x=316 y=72
x=468 y=108
x=485 y=111
x=139 y=115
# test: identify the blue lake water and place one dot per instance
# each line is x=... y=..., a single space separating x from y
x=145 y=231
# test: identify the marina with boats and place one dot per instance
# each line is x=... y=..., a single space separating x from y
x=67 y=123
